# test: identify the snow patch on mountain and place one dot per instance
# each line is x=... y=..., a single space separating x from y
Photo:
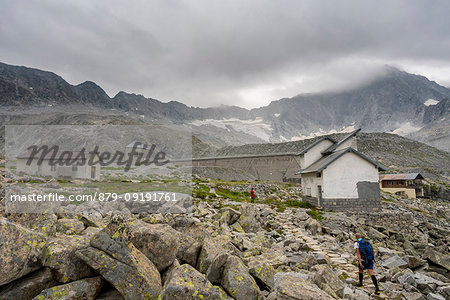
x=321 y=132
x=406 y=128
x=256 y=127
x=431 y=102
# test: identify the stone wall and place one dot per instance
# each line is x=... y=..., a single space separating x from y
x=350 y=204
x=267 y=167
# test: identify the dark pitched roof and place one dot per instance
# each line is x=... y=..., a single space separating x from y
x=336 y=145
x=325 y=161
x=317 y=142
x=404 y=176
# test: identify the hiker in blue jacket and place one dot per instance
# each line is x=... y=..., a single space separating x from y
x=364 y=252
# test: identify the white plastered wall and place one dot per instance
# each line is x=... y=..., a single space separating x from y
x=341 y=177
x=311 y=181
x=315 y=153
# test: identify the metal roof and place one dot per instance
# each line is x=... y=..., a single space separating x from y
x=403 y=176
x=325 y=161
x=333 y=147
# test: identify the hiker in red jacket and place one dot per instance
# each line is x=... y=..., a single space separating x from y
x=252 y=195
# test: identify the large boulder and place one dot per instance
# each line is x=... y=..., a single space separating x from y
x=395 y=261
x=20 y=251
x=313 y=226
x=215 y=269
x=295 y=288
x=229 y=215
x=188 y=249
x=328 y=280
x=43 y=223
x=264 y=272
x=433 y=296
x=210 y=250
x=59 y=255
x=249 y=218
x=440 y=259
x=185 y=282
x=86 y=289
x=159 y=242
x=114 y=257
x=237 y=281
x=28 y=286
x=69 y=226
x=135 y=278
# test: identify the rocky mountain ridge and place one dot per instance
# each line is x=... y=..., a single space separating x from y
x=394 y=102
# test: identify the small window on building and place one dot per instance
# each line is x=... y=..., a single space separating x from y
x=390 y=182
x=53 y=168
x=74 y=168
x=308 y=191
x=319 y=174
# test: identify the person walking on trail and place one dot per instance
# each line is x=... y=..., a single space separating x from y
x=252 y=195
x=365 y=255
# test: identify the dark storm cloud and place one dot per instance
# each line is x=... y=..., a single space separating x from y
x=209 y=52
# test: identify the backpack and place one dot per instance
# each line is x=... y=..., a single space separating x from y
x=366 y=250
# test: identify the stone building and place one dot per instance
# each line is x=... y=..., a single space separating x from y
x=342 y=178
x=273 y=167
x=78 y=168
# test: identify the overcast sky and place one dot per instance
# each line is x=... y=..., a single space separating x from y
x=212 y=52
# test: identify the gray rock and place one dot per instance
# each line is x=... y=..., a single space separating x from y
x=59 y=255
x=347 y=293
x=159 y=242
x=111 y=294
x=20 y=251
x=440 y=259
x=29 y=286
x=265 y=273
x=295 y=288
x=215 y=269
x=188 y=249
x=69 y=226
x=407 y=278
x=415 y=262
x=82 y=289
x=210 y=250
x=249 y=218
x=413 y=296
x=360 y=294
x=237 y=281
x=313 y=226
x=135 y=278
x=396 y=261
x=121 y=263
x=432 y=296
x=328 y=280
x=185 y=282
x=424 y=282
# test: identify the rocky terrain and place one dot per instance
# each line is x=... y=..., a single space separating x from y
x=223 y=247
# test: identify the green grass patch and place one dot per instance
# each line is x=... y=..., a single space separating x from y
x=299 y=204
x=315 y=214
x=233 y=195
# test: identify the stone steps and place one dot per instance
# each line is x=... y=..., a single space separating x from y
x=295 y=232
